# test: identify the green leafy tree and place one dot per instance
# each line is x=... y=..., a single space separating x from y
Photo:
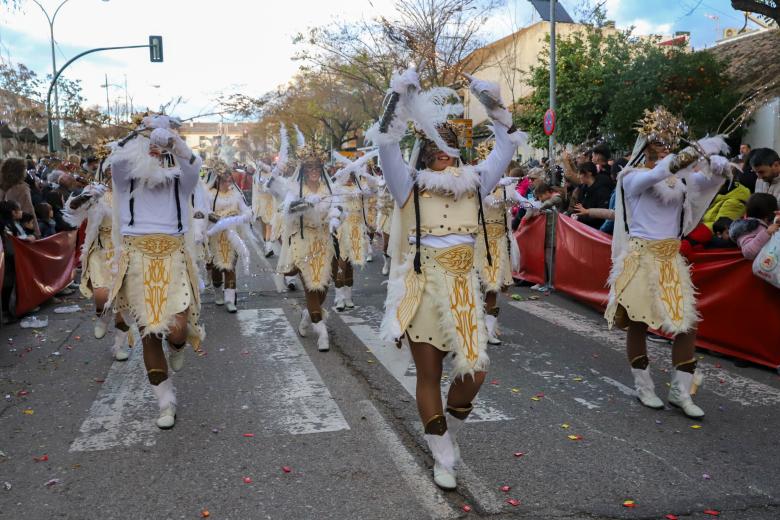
x=605 y=81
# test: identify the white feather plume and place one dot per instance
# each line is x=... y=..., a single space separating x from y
x=301 y=138
x=240 y=248
x=226 y=223
x=355 y=166
x=428 y=109
x=284 y=150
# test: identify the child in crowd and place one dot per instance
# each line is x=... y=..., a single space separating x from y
x=10 y=225
x=760 y=223
x=28 y=223
x=11 y=220
x=46 y=222
x=720 y=232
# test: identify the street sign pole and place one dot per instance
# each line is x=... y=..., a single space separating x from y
x=156 y=56
x=552 y=81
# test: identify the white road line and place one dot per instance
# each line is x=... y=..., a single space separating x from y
x=124 y=410
x=362 y=321
x=418 y=481
x=723 y=383
x=294 y=398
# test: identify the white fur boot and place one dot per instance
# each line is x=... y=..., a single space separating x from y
x=386 y=265
x=268 y=250
x=166 y=400
x=230 y=300
x=120 y=350
x=444 y=459
x=338 y=299
x=491 y=322
x=369 y=257
x=101 y=325
x=219 y=296
x=348 y=297
x=305 y=324
x=290 y=282
x=454 y=425
x=176 y=357
x=680 y=394
x=645 y=389
x=323 y=342
x=278 y=280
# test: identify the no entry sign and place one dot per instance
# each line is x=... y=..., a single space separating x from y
x=549 y=122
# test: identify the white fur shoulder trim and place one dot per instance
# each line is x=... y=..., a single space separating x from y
x=452 y=181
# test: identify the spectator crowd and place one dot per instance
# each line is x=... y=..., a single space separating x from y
x=32 y=198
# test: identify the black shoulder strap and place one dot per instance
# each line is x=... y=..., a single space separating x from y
x=132 y=202
x=178 y=202
x=481 y=217
x=682 y=210
x=417 y=233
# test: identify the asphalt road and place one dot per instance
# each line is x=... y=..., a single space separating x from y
x=268 y=427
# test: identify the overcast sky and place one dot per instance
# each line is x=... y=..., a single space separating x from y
x=246 y=45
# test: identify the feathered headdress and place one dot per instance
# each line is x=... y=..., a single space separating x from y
x=312 y=153
x=661 y=126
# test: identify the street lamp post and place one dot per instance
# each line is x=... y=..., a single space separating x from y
x=51 y=20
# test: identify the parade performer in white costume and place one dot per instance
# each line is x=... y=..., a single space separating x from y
x=433 y=300
x=660 y=198
x=495 y=237
x=230 y=235
x=310 y=217
x=385 y=208
x=98 y=260
x=154 y=174
x=354 y=186
x=264 y=204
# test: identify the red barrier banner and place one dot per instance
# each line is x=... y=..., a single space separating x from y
x=43 y=268
x=530 y=239
x=582 y=261
x=738 y=310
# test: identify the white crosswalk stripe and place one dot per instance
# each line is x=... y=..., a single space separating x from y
x=719 y=381
x=122 y=412
x=288 y=389
x=292 y=395
x=363 y=322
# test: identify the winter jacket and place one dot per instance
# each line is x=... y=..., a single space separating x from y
x=48 y=227
x=596 y=195
x=731 y=205
x=750 y=234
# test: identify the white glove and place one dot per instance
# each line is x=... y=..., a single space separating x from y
x=313 y=199
x=381 y=182
x=401 y=82
x=333 y=225
x=163 y=138
x=489 y=94
x=508 y=181
x=720 y=166
x=334 y=213
x=367 y=191
x=156 y=122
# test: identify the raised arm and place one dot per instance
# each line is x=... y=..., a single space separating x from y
x=493 y=167
x=396 y=172
x=636 y=182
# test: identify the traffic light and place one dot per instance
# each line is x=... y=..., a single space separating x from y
x=155 y=49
